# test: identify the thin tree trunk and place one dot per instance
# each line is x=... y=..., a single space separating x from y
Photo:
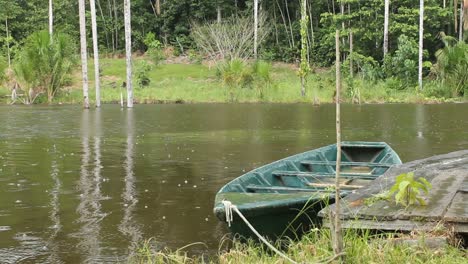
x=455 y=8
x=7 y=41
x=351 y=70
x=218 y=13
x=158 y=7
x=105 y=23
x=97 y=81
x=337 y=236
x=128 y=52
x=274 y=23
x=115 y=26
x=386 y=18
x=311 y=25
x=421 y=40
x=290 y=24
x=255 y=27
x=304 y=62
x=51 y=19
x=84 y=55
x=284 y=23
x=111 y=28
x=460 y=31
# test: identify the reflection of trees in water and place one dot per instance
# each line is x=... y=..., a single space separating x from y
x=128 y=226
x=89 y=208
x=52 y=245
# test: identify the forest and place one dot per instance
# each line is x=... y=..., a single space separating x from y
x=378 y=44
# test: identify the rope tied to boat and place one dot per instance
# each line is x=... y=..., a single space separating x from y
x=229 y=208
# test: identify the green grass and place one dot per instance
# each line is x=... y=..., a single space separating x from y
x=315 y=247
x=194 y=83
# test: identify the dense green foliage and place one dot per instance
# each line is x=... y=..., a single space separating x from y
x=164 y=28
x=43 y=63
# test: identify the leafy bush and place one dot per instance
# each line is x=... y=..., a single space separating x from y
x=3 y=66
x=404 y=62
x=154 y=48
x=142 y=71
x=43 y=63
x=235 y=73
x=452 y=65
x=262 y=74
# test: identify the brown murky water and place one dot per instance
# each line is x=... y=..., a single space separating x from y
x=89 y=186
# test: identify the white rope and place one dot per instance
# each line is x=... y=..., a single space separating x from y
x=229 y=207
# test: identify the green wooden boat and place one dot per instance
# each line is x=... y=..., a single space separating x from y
x=283 y=198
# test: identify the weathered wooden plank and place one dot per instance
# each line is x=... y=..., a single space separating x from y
x=458 y=210
x=346 y=163
x=448 y=174
x=323 y=174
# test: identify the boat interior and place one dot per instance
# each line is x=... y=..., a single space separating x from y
x=314 y=171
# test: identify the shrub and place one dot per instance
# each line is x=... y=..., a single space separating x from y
x=452 y=65
x=44 y=63
x=154 y=48
x=235 y=73
x=142 y=71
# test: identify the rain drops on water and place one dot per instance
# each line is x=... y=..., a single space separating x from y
x=185 y=181
x=164 y=217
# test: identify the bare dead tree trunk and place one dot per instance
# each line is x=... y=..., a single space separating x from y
x=255 y=27
x=460 y=32
x=421 y=40
x=351 y=70
x=386 y=18
x=337 y=236
x=84 y=54
x=51 y=19
x=218 y=13
x=97 y=81
x=128 y=52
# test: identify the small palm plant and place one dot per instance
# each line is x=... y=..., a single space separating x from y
x=408 y=189
x=452 y=64
x=44 y=62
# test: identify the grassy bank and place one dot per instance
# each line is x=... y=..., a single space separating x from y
x=315 y=247
x=191 y=83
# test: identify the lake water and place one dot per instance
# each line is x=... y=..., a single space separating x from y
x=90 y=185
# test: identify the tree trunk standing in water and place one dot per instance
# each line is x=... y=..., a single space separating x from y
x=97 y=81
x=51 y=20
x=386 y=18
x=255 y=27
x=84 y=55
x=421 y=40
x=337 y=236
x=128 y=52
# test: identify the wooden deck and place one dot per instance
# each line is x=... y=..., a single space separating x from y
x=447 y=201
